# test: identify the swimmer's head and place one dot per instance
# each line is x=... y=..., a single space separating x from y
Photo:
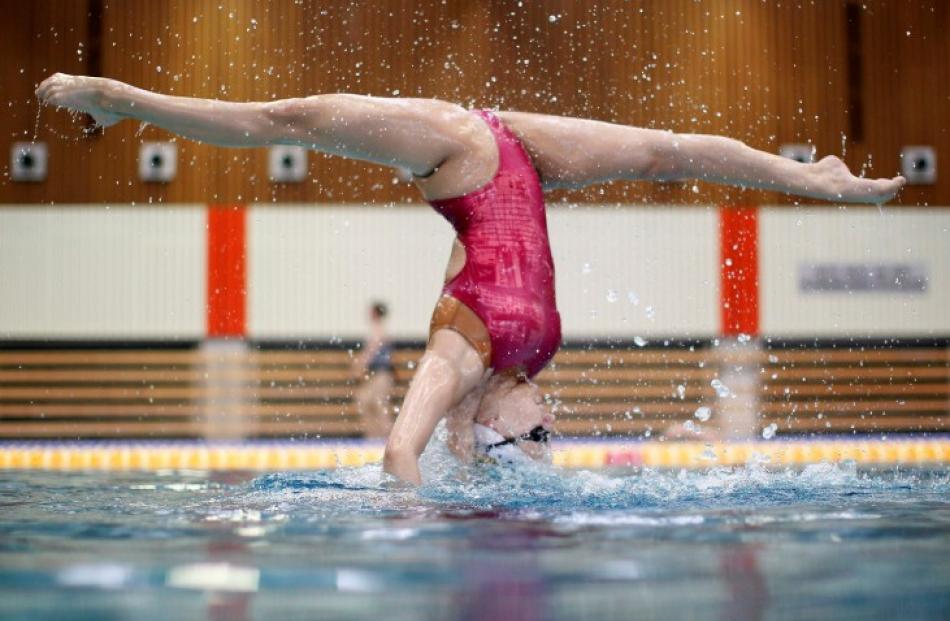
x=512 y=406
x=378 y=311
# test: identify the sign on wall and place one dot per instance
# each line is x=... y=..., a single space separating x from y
x=863 y=277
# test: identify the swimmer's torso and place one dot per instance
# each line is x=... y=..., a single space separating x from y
x=507 y=280
x=382 y=360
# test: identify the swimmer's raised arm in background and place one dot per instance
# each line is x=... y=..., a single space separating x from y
x=571 y=153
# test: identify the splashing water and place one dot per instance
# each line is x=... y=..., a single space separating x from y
x=553 y=491
x=36 y=124
x=721 y=389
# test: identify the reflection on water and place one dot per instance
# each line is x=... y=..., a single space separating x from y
x=750 y=543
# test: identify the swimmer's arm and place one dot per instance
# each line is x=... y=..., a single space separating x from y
x=572 y=153
x=449 y=370
x=418 y=134
x=431 y=394
x=459 y=424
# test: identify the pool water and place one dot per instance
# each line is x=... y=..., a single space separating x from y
x=825 y=542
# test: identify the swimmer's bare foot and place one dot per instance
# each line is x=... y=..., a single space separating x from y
x=837 y=183
x=81 y=94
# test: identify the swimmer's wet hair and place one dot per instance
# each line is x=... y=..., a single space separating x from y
x=380 y=310
x=497 y=390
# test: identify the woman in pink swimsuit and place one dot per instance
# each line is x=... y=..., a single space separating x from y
x=496 y=325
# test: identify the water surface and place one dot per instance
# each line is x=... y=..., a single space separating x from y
x=748 y=543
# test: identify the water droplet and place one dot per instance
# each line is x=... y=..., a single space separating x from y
x=769 y=432
x=639 y=341
x=690 y=426
x=721 y=389
x=612 y=295
x=703 y=413
x=681 y=391
x=586 y=268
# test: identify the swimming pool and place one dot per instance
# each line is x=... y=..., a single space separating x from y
x=823 y=541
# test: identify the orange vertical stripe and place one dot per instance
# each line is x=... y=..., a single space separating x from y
x=227 y=255
x=739 y=265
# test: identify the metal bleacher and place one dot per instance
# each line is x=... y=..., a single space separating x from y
x=603 y=390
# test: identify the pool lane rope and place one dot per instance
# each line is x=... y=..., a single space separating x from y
x=570 y=454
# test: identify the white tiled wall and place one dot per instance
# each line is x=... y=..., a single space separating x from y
x=857 y=235
x=101 y=272
x=620 y=271
x=91 y=272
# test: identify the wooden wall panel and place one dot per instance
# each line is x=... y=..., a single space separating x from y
x=763 y=72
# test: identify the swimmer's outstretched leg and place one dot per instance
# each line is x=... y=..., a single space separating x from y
x=424 y=135
x=417 y=134
x=571 y=153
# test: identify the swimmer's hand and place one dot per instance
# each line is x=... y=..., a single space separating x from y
x=836 y=183
x=80 y=94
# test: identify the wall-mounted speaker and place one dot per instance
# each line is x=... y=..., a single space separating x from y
x=158 y=161
x=287 y=164
x=919 y=164
x=28 y=161
x=804 y=153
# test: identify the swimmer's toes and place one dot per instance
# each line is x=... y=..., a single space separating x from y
x=47 y=85
x=888 y=188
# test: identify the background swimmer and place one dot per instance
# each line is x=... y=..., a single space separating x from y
x=373 y=366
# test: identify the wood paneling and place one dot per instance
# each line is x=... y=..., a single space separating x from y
x=616 y=391
x=763 y=72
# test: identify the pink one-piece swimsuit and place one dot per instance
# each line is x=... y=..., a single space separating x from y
x=508 y=277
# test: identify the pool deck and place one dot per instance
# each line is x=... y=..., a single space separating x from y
x=264 y=455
